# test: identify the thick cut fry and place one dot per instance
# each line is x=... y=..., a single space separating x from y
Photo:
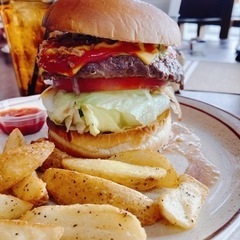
x=14 y=140
x=17 y=229
x=86 y=222
x=12 y=207
x=181 y=206
x=68 y=187
x=137 y=177
x=54 y=160
x=18 y=163
x=146 y=157
x=31 y=189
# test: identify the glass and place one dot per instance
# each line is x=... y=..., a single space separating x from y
x=22 y=22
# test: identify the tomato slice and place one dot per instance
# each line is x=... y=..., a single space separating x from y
x=107 y=84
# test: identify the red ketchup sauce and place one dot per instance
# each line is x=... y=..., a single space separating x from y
x=27 y=120
x=66 y=64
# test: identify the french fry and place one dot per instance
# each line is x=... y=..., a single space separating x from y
x=54 y=160
x=69 y=187
x=181 y=206
x=12 y=207
x=137 y=177
x=14 y=140
x=89 y=221
x=147 y=157
x=31 y=189
x=18 y=163
x=18 y=229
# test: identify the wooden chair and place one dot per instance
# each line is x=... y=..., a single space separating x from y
x=207 y=12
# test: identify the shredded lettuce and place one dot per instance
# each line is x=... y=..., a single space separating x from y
x=108 y=111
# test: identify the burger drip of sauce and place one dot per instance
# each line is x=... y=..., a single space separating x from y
x=187 y=144
x=68 y=60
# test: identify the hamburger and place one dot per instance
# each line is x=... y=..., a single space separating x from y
x=112 y=69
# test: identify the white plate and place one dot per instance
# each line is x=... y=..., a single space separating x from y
x=219 y=132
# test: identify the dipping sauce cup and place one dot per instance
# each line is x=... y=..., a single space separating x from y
x=28 y=120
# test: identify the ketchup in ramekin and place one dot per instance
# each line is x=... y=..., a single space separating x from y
x=28 y=120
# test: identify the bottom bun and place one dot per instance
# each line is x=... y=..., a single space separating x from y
x=152 y=136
